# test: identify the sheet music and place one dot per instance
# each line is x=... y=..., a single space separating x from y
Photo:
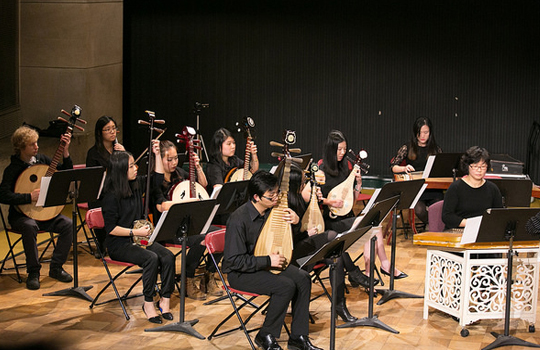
x=216 y=191
x=209 y=221
x=371 y=201
x=273 y=169
x=471 y=230
x=158 y=227
x=102 y=184
x=418 y=195
x=429 y=165
x=43 y=189
x=356 y=222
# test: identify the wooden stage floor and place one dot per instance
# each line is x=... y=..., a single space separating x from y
x=68 y=323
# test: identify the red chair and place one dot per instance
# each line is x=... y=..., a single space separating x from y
x=94 y=219
x=215 y=243
x=435 y=217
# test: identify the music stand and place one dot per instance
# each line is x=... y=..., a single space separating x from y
x=231 y=196
x=181 y=221
x=373 y=218
x=515 y=192
x=333 y=250
x=444 y=165
x=506 y=225
x=72 y=186
x=409 y=192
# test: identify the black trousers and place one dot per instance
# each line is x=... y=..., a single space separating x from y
x=29 y=229
x=291 y=285
x=152 y=259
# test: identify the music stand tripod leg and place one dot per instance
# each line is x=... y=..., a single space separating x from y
x=371 y=320
x=75 y=291
x=506 y=339
x=181 y=325
x=391 y=293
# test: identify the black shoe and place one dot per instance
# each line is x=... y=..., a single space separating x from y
x=343 y=312
x=302 y=343
x=155 y=319
x=268 y=342
x=167 y=315
x=398 y=277
x=357 y=278
x=58 y=273
x=32 y=281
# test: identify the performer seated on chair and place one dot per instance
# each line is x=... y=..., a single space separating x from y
x=335 y=168
x=122 y=206
x=471 y=195
x=413 y=156
x=223 y=160
x=172 y=175
x=25 y=143
x=308 y=242
x=250 y=273
x=98 y=155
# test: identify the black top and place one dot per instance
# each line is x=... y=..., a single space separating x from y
x=12 y=173
x=402 y=157
x=123 y=212
x=216 y=173
x=160 y=192
x=243 y=229
x=463 y=201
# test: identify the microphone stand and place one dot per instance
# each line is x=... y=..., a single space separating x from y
x=197 y=111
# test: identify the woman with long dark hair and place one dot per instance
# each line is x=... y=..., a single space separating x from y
x=223 y=158
x=105 y=143
x=413 y=156
x=122 y=205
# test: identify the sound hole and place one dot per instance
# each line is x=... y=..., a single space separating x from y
x=33 y=178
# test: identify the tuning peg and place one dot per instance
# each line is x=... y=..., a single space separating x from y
x=295 y=150
x=277 y=144
x=276 y=154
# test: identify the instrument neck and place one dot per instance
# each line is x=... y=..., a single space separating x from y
x=247 y=158
x=192 y=188
x=58 y=155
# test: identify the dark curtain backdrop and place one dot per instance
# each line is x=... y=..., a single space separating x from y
x=368 y=68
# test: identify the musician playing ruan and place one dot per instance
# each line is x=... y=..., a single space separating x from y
x=172 y=175
x=25 y=144
x=223 y=158
x=122 y=206
x=250 y=273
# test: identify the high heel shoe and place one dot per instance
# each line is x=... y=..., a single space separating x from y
x=398 y=277
x=343 y=312
x=166 y=315
x=155 y=319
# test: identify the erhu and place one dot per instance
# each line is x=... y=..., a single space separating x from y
x=143 y=240
x=276 y=234
x=345 y=190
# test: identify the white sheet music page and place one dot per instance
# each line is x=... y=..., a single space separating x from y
x=158 y=227
x=418 y=195
x=209 y=221
x=216 y=191
x=371 y=202
x=43 y=189
x=471 y=230
x=429 y=165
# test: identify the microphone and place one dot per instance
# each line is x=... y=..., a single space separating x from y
x=201 y=105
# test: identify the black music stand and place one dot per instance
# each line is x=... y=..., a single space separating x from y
x=333 y=250
x=181 y=221
x=446 y=165
x=231 y=196
x=408 y=192
x=374 y=217
x=507 y=225
x=73 y=186
x=515 y=192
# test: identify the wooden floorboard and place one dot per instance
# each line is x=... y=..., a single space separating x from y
x=68 y=323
